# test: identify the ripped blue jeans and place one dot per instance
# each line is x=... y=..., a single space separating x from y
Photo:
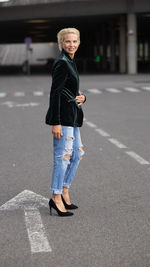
x=68 y=151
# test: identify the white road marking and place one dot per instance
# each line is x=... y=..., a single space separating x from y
x=30 y=203
x=94 y=91
x=18 y=94
x=112 y=90
x=90 y=124
x=102 y=132
x=2 y=95
x=32 y=104
x=11 y=104
x=117 y=143
x=36 y=231
x=137 y=158
x=25 y=199
x=146 y=88
x=132 y=154
x=130 y=89
x=38 y=93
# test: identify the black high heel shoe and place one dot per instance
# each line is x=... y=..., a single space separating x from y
x=60 y=213
x=69 y=207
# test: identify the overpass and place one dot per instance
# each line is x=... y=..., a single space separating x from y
x=114 y=34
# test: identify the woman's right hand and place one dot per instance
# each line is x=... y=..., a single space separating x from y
x=57 y=131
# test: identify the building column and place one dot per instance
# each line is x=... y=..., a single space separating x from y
x=122 y=46
x=132 y=44
x=104 y=46
x=112 y=44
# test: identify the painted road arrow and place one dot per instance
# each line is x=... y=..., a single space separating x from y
x=30 y=203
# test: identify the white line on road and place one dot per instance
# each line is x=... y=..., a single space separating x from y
x=18 y=94
x=2 y=95
x=38 y=93
x=90 y=124
x=11 y=104
x=132 y=154
x=32 y=104
x=130 y=89
x=102 y=132
x=117 y=143
x=94 y=91
x=146 y=88
x=112 y=90
x=137 y=158
x=36 y=231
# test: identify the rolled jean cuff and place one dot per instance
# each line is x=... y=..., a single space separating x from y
x=66 y=185
x=56 y=191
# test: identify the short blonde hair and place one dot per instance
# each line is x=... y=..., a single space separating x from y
x=61 y=35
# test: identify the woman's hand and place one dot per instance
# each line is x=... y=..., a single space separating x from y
x=80 y=99
x=57 y=131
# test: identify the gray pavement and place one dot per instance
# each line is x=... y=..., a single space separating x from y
x=111 y=228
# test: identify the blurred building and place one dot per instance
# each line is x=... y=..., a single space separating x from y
x=114 y=34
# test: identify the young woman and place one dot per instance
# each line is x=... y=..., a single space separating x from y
x=66 y=116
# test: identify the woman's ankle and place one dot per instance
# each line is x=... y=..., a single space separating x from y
x=56 y=197
x=58 y=202
x=65 y=191
x=66 y=195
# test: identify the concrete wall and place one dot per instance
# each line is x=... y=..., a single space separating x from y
x=73 y=9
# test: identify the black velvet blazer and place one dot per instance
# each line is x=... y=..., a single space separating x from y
x=63 y=108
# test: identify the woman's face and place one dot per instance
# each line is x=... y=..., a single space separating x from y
x=70 y=44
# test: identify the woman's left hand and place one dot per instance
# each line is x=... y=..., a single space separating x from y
x=80 y=99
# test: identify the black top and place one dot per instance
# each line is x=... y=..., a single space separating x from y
x=63 y=108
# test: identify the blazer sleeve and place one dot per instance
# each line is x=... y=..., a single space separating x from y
x=59 y=76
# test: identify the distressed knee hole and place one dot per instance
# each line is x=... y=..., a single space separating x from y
x=67 y=156
x=69 y=138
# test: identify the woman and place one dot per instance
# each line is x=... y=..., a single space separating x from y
x=66 y=116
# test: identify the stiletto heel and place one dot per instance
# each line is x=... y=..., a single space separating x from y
x=60 y=213
x=69 y=207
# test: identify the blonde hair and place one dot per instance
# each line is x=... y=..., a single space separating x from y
x=61 y=35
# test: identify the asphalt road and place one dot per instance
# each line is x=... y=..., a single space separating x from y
x=111 y=228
